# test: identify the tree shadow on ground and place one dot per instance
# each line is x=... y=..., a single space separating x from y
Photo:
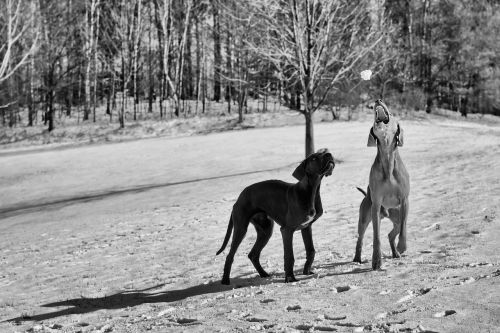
x=58 y=203
x=355 y=270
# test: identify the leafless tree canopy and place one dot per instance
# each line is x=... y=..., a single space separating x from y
x=96 y=59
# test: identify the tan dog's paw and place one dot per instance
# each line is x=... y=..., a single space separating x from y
x=396 y=255
x=376 y=261
x=401 y=247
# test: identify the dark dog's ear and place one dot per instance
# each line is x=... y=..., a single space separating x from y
x=322 y=151
x=399 y=137
x=300 y=171
x=372 y=139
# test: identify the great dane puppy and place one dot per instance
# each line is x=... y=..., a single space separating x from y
x=292 y=206
x=388 y=189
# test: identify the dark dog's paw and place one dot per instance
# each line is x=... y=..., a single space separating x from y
x=308 y=271
x=290 y=278
x=225 y=282
x=264 y=275
x=357 y=259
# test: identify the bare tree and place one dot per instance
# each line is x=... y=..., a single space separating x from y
x=174 y=80
x=90 y=26
x=217 y=49
x=17 y=17
x=315 y=44
x=135 y=55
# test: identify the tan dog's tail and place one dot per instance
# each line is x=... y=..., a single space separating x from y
x=361 y=190
x=228 y=235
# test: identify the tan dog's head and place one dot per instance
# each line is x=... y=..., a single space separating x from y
x=385 y=131
x=318 y=164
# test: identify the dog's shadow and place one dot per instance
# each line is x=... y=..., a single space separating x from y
x=132 y=298
x=137 y=297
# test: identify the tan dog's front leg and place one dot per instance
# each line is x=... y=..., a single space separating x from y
x=377 y=255
x=287 y=235
x=310 y=252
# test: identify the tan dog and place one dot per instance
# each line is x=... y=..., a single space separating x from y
x=292 y=206
x=388 y=188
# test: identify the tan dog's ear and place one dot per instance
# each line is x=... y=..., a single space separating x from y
x=399 y=137
x=372 y=139
x=300 y=171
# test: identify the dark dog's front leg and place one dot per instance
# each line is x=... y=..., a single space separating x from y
x=310 y=252
x=287 y=235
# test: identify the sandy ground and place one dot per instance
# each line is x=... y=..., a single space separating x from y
x=122 y=237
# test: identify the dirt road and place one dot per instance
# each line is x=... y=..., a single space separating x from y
x=122 y=237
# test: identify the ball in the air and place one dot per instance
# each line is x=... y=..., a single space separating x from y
x=366 y=74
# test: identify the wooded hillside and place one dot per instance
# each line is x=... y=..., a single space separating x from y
x=131 y=59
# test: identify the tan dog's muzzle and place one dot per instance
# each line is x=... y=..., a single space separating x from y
x=381 y=112
x=385 y=129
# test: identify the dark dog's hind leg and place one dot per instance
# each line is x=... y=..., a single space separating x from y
x=240 y=229
x=264 y=227
x=364 y=219
x=310 y=252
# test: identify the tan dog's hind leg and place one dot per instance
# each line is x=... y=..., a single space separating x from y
x=364 y=219
x=394 y=217
x=240 y=226
x=264 y=227
x=403 y=215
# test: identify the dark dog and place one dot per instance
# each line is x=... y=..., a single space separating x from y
x=388 y=188
x=292 y=206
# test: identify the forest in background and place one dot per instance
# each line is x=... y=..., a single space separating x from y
x=130 y=59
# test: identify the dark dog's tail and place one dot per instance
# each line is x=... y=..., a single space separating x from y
x=361 y=190
x=228 y=235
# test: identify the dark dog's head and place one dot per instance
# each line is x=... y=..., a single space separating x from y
x=385 y=131
x=320 y=164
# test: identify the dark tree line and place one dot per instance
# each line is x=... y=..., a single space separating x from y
x=85 y=57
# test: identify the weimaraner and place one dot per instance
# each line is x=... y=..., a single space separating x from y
x=292 y=206
x=388 y=189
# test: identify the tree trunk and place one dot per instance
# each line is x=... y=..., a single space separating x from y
x=31 y=98
x=50 y=113
x=31 y=103
x=229 y=69
x=95 y=62
x=159 y=30
x=309 y=133
x=200 y=61
x=198 y=57
x=217 y=51
x=150 y=69
x=188 y=78
x=88 y=52
x=136 y=54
